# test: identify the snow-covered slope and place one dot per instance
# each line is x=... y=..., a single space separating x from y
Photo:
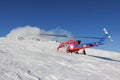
x=39 y=60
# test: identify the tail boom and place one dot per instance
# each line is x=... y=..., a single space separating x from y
x=100 y=42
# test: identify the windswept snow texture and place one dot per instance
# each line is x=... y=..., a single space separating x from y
x=39 y=60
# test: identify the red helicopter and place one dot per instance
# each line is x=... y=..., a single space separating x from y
x=73 y=46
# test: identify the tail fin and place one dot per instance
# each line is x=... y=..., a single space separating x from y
x=105 y=36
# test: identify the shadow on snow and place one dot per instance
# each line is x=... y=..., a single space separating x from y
x=104 y=58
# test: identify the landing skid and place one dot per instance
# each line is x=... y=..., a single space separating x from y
x=80 y=53
x=83 y=52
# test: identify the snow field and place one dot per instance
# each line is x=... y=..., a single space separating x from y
x=39 y=60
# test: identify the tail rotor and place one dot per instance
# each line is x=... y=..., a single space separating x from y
x=106 y=32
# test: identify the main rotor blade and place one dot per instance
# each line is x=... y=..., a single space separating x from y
x=70 y=36
x=54 y=35
x=87 y=37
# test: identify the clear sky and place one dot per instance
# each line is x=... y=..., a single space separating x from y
x=80 y=17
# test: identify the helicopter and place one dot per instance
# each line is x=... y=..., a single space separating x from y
x=73 y=46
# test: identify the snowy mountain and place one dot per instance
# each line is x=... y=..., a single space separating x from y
x=39 y=60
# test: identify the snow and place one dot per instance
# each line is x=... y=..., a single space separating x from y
x=39 y=60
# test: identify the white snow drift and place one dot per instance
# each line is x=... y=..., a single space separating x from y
x=29 y=32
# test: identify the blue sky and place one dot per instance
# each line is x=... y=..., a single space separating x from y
x=80 y=17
